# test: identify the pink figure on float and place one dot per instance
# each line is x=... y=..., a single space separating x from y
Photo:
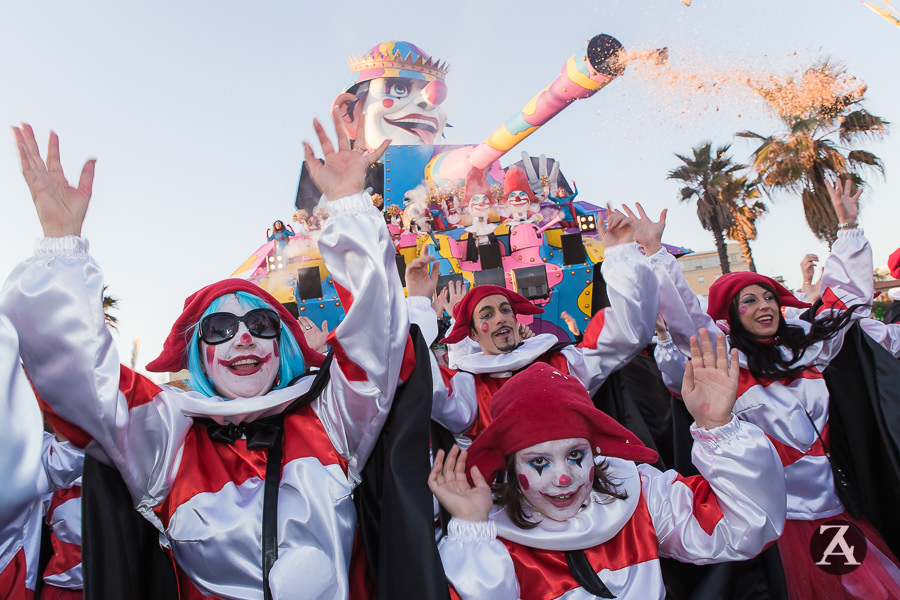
x=399 y=89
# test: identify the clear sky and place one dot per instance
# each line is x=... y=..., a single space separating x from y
x=196 y=110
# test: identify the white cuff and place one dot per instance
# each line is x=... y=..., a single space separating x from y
x=471 y=530
x=70 y=247
x=620 y=250
x=711 y=440
x=354 y=204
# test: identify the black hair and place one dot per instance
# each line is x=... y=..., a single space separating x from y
x=765 y=360
x=508 y=492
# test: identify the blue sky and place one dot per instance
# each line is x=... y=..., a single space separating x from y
x=196 y=112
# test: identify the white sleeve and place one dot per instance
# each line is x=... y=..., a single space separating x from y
x=63 y=463
x=670 y=361
x=20 y=457
x=369 y=344
x=477 y=564
x=455 y=413
x=886 y=334
x=731 y=510
x=846 y=282
x=678 y=304
x=616 y=334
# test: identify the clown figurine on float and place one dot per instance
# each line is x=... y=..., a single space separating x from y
x=396 y=90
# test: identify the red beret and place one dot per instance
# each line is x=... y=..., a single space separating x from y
x=462 y=312
x=725 y=288
x=542 y=404
x=894 y=263
x=173 y=357
x=516 y=180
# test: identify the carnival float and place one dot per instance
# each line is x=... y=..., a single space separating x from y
x=521 y=226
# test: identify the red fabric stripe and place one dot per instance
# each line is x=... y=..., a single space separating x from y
x=830 y=301
x=136 y=388
x=592 y=332
x=350 y=369
x=789 y=455
x=705 y=506
x=207 y=466
x=60 y=497
x=65 y=556
x=12 y=579
x=409 y=360
x=78 y=436
x=747 y=380
x=544 y=574
x=344 y=296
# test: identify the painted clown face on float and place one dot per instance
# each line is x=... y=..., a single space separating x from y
x=399 y=89
x=518 y=194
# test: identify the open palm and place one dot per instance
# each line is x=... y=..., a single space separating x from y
x=60 y=207
x=710 y=383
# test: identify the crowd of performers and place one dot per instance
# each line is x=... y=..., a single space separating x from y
x=366 y=464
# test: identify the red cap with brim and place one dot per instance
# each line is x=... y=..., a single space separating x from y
x=462 y=312
x=541 y=404
x=173 y=357
x=725 y=288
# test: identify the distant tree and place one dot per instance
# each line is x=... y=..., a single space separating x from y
x=110 y=303
x=705 y=174
x=824 y=119
x=742 y=199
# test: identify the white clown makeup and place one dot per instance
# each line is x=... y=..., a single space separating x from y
x=556 y=477
x=244 y=366
x=479 y=206
x=404 y=110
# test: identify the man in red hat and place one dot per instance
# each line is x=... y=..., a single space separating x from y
x=486 y=316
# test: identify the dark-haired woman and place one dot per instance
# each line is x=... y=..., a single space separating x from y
x=782 y=389
x=281 y=235
x=575 y=517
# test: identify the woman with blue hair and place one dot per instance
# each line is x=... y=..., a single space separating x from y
x=259 y=434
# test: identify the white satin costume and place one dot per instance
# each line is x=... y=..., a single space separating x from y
x=729 y=512
x=614 y=336
x=204 y=497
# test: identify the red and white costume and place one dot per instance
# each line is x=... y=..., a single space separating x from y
x=793 y=411
x=206 y=497
x=613 y=337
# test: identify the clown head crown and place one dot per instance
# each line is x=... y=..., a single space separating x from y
x=395 y=59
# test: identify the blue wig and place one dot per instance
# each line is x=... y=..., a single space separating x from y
x=292 y=363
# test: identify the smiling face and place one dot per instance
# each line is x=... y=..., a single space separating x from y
x=494 y=325
x=519 y=198
x=479 y=205
x=404 y=110
x=244 y=366
x=556 y=477
x=758 y=312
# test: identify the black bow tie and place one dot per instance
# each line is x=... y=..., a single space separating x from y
x=260 y=434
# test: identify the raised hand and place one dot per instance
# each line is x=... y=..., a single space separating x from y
x=316 y=338
x=812 y=290
x=619 y=228
x=525 y=331
x=647 y=233
x=846 y=205
x=418 y=281
x=439 y=304
x=710 y=385
x=344 y=171
x=448 y=482
x=60 y=207
x=457 y=291
x=571 y=323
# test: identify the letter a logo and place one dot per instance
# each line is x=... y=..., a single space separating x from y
x=837 y=547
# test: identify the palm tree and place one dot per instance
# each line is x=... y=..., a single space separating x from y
x=705 y=175
x=741 y=198
x=110 y=303
x=822 y=122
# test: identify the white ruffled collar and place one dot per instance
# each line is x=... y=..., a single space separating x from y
x=501 y=364
x=594 y=524
x=240 y=410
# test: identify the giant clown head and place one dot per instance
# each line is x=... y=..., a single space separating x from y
x=399 y=90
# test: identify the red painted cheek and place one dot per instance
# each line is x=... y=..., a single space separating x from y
x=277 y=351
x=387 y=103
x=523 y=483
x=210 y=355
x=485 y=327
x=565 y=479
x=742 y=310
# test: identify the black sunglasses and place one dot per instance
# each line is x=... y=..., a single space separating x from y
x=222 y=326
